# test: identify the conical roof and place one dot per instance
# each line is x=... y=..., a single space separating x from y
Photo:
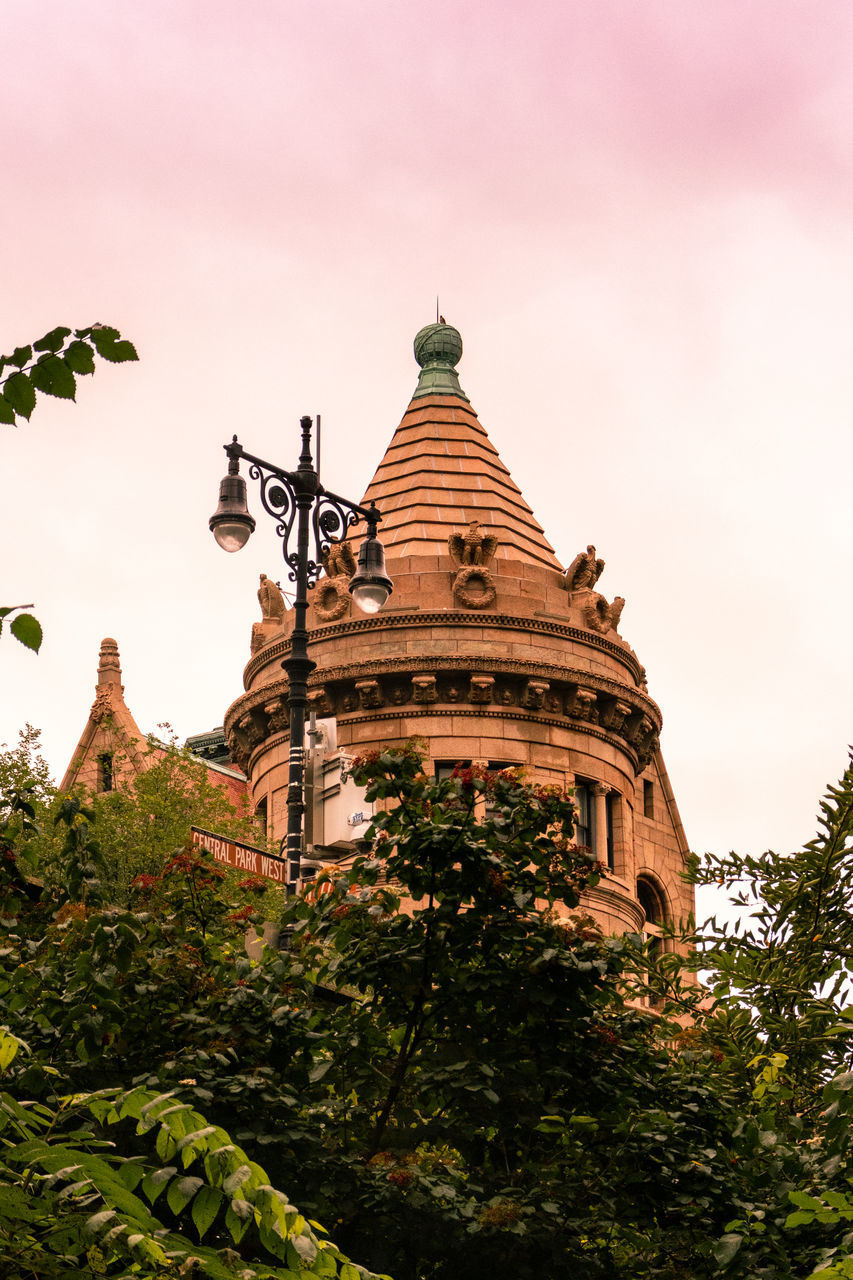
x=441 y=471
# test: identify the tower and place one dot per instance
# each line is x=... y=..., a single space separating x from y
x=489 y=650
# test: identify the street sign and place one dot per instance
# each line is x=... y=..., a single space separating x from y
x=242 y=857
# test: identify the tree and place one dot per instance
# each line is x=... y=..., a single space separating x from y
x=446 y=1062
x=51 y=366
x=141 y=823
x=70 y=1200
x=780 y=978
x=138 y=825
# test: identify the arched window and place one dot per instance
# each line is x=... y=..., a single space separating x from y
x=106 y=781
x=651 y=899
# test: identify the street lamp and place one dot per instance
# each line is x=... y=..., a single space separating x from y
x=298 y=498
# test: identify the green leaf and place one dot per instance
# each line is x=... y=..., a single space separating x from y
x=28 y=630
x=181 y=1191
x=21 y=356
x=155 y=1183
x=80 y=358
x=110 y=346
x=205 y=1208
x=99 y=1220
x=236 y=1179
x=805 y=1201
x=237 y=1219
x=52 y=341
x=9 y=1046
x=7 y=413
x=52 y=376
x=727 y=1248
x=121 y=352
x=20 y=393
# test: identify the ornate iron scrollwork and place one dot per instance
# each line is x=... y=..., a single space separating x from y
x=330 y=519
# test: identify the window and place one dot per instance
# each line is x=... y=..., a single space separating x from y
x=483 y=807
x=652 y=901
x=584 y=815
x=648 y=798
x=105 y=772
x=585 y=833
x=444 y=768
x=261 y=816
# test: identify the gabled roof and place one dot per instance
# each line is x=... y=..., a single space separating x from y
x=441 y=471
x=109 y=729
x=112 y=733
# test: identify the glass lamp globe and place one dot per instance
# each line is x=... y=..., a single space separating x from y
x=231 y=523
x=370 y=596
x=370 y=586
x=232 y=534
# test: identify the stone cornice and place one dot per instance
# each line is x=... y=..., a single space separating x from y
x=404 y=665
x=376 y=690
x=462 y=712
x=279 y=649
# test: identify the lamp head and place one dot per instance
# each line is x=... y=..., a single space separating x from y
x=231 y=523
x=370 y=585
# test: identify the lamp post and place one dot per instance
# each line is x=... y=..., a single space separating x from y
x=296 y=498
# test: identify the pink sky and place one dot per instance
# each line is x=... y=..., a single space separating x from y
x=638 y=215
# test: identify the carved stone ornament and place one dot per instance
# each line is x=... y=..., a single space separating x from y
x=103 y=704
x=474 y=587
x=264 y=632
x=473 y=584
x=369 y=694
x=423 y=689
x=584 y=571
x=601 y=616
x=582 y=705
x=614 y=715
x=254 y=728
x=480 y=689
x=320 y=702
x=271 y=600
x=473 y=547
x=339 y=561
x=332 y=600
x=534 y=694
x=279 y=715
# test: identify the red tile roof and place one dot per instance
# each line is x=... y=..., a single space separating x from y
x=441 y=471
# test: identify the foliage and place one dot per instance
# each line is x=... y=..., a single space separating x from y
x=51 y=366
x=23 y=626
x=24 y=768
x=70 y=1197
x=780 y=981
x=781 y=974
x=445 y=1061
x=143 y=821
x=139 y=825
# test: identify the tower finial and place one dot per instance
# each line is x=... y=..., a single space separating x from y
x=438 y=350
